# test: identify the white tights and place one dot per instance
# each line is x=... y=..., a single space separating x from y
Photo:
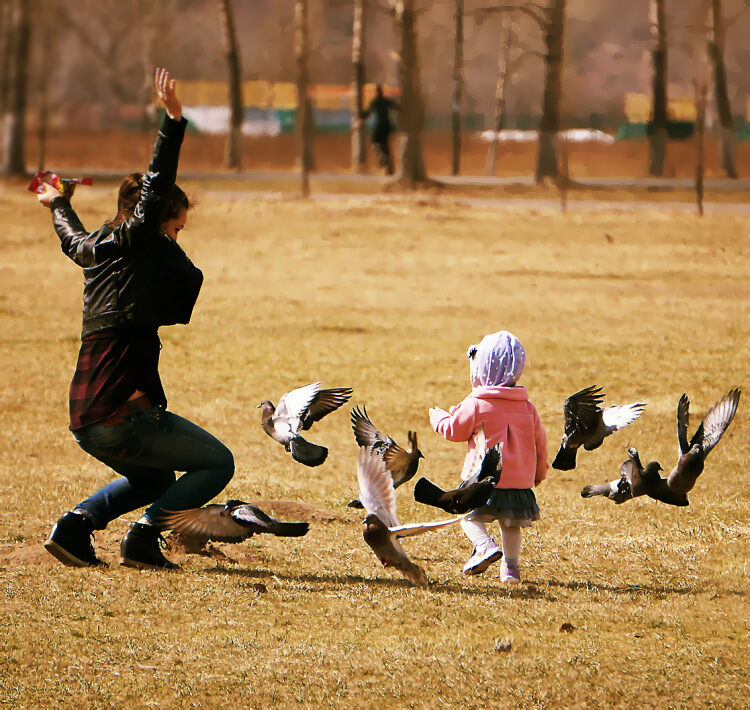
x=476 y=531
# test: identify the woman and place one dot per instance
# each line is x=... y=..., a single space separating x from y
x=136 y=279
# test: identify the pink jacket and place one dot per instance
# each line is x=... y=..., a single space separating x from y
x=509 y=417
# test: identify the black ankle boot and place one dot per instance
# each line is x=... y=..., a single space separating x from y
x=70 y=541
x=140 y=548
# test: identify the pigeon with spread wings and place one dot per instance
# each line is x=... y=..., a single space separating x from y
x=382 y=528
x=401 y=463
x=481 y=477
x=587 y=424
x=636 y=481
x=234 y=521
x=298 y=410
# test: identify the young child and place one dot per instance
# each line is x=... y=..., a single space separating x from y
x=509 y=417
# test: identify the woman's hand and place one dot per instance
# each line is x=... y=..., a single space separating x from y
x=47 y=193
x=165 y=88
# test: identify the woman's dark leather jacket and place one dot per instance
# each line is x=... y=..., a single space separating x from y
x=134 y=274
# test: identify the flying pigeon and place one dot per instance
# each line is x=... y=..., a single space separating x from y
x=234 y=521
x=300 y=409
x=382 y=528
x=481 y=479
x=587 y=424
x=401 y=464
x=690 y=463
x=692 y=454
x=634 y=480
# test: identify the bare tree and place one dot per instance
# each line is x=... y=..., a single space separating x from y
x=458 y=57
x=233 y=152
x=359 y=146
x=304 y=117
x=721 y=94
x=657 y=135
x=701 y=89
x=44 y=39
x=554 y=27
x=411 y=169
x=551 y=20
x=506 y=41
x=15 y=110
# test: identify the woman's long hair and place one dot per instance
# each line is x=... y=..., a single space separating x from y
x=130 y=193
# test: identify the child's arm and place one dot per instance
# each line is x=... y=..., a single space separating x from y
x=458 y=425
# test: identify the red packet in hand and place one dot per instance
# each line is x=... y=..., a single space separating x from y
x=65 y=185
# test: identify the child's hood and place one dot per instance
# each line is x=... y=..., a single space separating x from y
x=516 y=394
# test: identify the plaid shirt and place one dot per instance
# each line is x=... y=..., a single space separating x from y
x=112 y=364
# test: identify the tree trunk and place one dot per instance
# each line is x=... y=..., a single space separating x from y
x=700 y=124
x=721 y=93
x=458 y=58
x=657 y=134
x=303 y=125
x=502 y=75
x=45 y=38
x=149 y=13
x=411 y=170
x=233 y=151
x=359 y=145
x=546 y=164
x=15 y=111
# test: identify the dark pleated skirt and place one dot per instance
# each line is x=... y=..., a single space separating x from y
x=511 y=507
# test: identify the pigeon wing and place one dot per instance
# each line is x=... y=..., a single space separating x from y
x=324 y=402
x=581 y=409
x=376 y=487
x=203 y=524
x=294 y=403
x=718 y=418
x=615 y=418
x=471 y=472
x=421 y=528
x=683 y=420
x=365 y=432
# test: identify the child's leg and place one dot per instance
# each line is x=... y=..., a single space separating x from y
x=485 y=551
x=510 y=571
x=511 y=543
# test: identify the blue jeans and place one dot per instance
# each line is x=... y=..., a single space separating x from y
x=146 y=449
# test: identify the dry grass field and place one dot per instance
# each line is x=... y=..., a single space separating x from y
x=632 y=606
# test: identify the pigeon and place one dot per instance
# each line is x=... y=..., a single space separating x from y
x=636 y=481
x=401 y=464
x=381 y=526
x=234 y=521
x=693 y=453
x=300 y=409
x=587 y=424
x=481 y=479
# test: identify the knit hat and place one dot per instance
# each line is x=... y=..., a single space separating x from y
x=497 y=361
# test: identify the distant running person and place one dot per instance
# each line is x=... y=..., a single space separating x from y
x=381 y=106
x=136 y=279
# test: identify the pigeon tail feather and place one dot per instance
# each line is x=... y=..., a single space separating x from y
x=565 y=459
x=602 y=489
x=427 y=492
x=307 y=453
x=282 y=529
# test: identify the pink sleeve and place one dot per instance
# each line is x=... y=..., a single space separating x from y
x=541 y=449
x=459 y=425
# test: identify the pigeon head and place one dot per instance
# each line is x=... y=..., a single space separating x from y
x=267 y=407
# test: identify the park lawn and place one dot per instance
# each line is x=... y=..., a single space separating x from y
x=639 y=605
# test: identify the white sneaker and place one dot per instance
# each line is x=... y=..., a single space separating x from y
x=510 y=573
x=482 y=559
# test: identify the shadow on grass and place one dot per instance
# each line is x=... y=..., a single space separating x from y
x=638 y=590
x=529 y=591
